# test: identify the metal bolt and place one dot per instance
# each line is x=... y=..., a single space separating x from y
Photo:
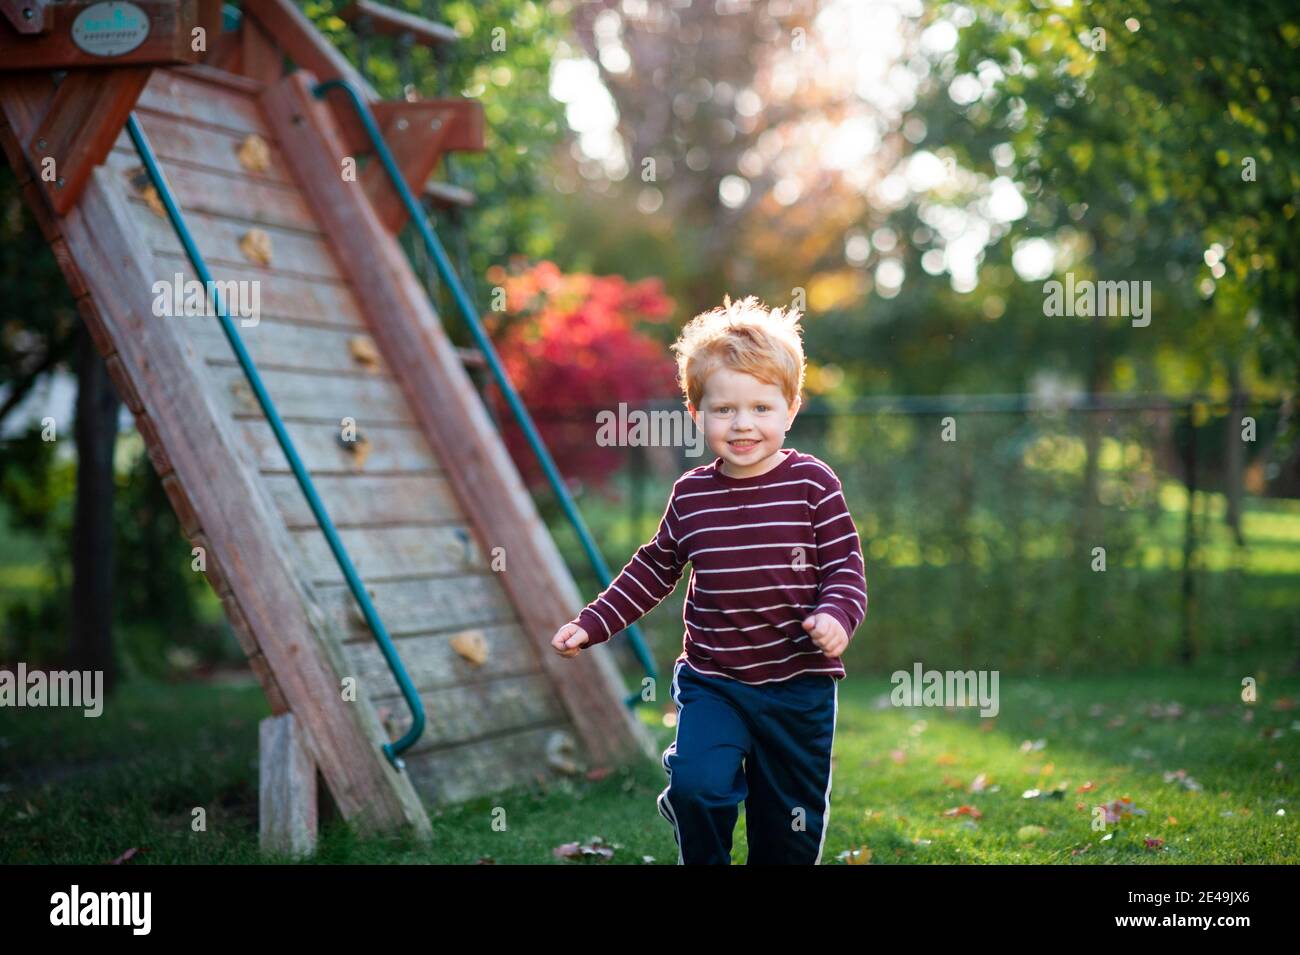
x=402 y=124
x=40 y=144
x=436 y=124
x=27 y=13
x=60 y=182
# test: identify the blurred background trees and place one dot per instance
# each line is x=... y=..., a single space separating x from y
x=909 y=175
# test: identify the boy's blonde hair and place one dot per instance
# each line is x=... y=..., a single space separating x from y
x=744 y=336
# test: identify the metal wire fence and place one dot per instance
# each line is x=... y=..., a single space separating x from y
x=1102 y=534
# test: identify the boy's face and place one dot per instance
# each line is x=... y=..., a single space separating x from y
x=744 y=421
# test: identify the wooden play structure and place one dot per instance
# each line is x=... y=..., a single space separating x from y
x=378 y=403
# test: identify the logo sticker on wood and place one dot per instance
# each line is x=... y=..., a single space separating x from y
x=110 y=29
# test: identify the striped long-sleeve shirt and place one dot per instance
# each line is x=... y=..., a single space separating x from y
x=766 y=552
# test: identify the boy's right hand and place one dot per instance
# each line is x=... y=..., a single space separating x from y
x=568 y=639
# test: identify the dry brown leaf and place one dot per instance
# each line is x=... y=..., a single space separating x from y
x=859 y=855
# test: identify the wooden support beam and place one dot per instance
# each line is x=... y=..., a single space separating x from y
x=286 y=791
x=25 y=16
x=419 y=134
x=378 y=18
x=462 y=119
x=162 y=36
x=417 y=138
x=294 y=33
x=261 y=57
x=454 y=420
x=84 y=119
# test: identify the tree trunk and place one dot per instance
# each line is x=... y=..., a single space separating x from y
x=1187 y=652
x=1090 y=533
x=91 y=643
x=1236 y=452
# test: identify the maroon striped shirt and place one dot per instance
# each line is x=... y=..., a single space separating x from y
x=765 y=552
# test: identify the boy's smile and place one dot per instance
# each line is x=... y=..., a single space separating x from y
x=744 y=421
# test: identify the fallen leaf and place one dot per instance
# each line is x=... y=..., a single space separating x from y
x=860 y=855
x=1180 y=776
x=964 y=810
x=595 y=849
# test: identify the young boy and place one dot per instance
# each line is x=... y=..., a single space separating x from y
x=777 y=588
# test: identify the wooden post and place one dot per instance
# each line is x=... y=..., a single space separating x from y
x=287 y=819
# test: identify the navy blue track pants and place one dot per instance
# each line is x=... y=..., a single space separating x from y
x=767 y=745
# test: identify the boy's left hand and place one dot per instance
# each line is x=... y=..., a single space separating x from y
x=827 y=633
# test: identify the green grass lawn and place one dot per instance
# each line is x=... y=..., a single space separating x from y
x=77 y=790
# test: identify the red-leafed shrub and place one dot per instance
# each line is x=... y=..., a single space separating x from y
x=572 y=347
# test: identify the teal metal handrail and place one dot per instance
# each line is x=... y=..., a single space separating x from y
x=391 y=750
x=470 y=316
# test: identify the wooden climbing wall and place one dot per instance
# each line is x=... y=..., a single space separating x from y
x=422 y=498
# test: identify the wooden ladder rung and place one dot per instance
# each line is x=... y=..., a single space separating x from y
x=471 y=357
x=444 y=194
x=391 y=22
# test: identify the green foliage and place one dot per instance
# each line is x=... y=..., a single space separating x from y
x=1144 y=148
x=502 y=60
x=161 y=605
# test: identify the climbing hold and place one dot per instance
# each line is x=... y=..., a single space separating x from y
x=359 y=449
x=364 y=352
x=243 y=392
x=256 y=246
x=358 y=614
x=471 y=645
x=143 y=186
x=254 y=154
x=389 y=723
